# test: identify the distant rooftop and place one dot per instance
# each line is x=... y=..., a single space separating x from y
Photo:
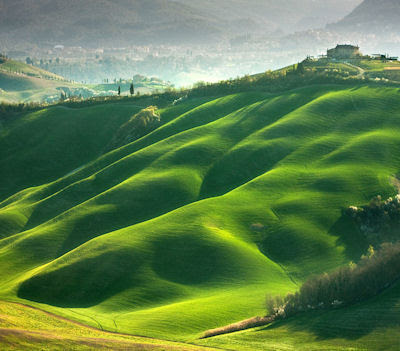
x=346 y=46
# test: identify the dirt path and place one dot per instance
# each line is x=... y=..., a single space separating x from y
x=361 y=71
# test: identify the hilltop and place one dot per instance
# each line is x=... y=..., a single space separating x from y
x=237 y=191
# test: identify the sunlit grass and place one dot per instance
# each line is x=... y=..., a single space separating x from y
x=157 y=238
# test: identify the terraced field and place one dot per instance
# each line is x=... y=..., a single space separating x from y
x=189 y=227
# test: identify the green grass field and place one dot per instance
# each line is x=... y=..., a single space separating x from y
x=26 y=328
x=189 y=227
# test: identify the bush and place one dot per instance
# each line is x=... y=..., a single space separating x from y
x=377 y=219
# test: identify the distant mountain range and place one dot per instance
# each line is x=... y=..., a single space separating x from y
x=104 y=22
x=284 y=15
x=120 y=23
x=372 y=17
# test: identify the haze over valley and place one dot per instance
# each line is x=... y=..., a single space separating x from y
x=181 y=41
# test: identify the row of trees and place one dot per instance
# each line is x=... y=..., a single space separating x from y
x=375 y=272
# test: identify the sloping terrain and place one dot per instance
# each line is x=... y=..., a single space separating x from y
x=20 y=82
x=26 y=328
x=189 y=227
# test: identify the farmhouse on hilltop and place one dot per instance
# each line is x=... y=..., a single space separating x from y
x=344 y=52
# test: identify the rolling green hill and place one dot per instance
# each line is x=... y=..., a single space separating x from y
x=26 y=328
x=22 y=83
x=189 y=227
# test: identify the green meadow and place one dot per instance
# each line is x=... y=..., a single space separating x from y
x=26 y=328
x=189 y=227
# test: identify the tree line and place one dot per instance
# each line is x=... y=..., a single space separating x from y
x=376 y=271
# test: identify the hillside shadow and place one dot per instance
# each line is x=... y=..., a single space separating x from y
x=84 y=283
x=349 y=237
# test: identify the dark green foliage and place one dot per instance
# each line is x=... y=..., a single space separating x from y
x=375 y=272
x=300 y=68
x=378 y=220
x=3 y=58
x=8 y=111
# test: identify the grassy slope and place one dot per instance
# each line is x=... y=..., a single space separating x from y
x=156 y=238
x=16 y=88
x=55 y=141
x=22 y=68
x=20 y=82
x=25 y=328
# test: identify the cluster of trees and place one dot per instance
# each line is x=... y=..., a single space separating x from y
x=3 y=58
x=378 y=218
x=375 y=272
x=7 y=111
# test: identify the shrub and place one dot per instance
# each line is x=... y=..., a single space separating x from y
x=378 y=218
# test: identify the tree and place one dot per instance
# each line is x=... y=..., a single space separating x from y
x=132 y=89
x=119 y=90
x=300 y=68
